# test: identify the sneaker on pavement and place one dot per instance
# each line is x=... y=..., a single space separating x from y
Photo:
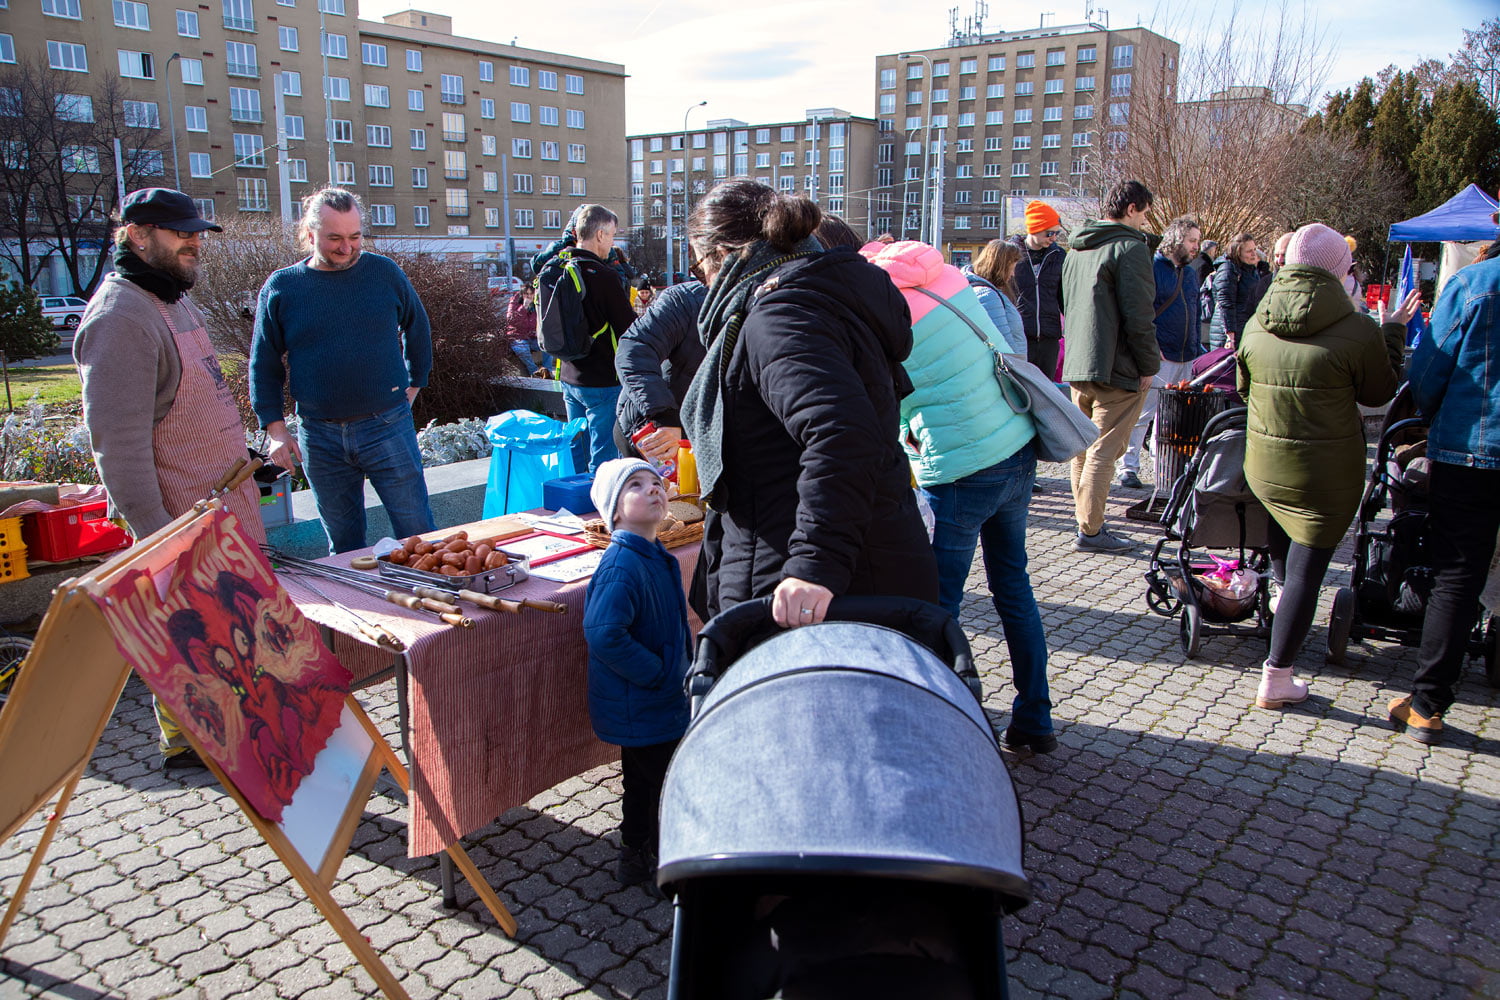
x=1131 y=481
x=1102 y=542
x=1016 y=741
x=182 y=760
x=1426 y=730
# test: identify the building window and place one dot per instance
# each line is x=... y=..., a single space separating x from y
x=997 y=64
x=1083 y=111
x=240 y=59
x=415 y=100
x=129 y=14
x=195 y=119
x=137 y=65
x=286 y=38
x=1086 y=54
x=1051 y=141
x=343 y=171
x=200 y=165
x=575 y=118
x=1080 y=166
x=192 y=72
x=960 y=222
x=252 y=194
x=1025 y=89
x=577 y=153
x=520 y=112
x=331 y=6
x=377 y=96
x=995 y=90
x=1123 y=55
x=887 y=79
x=1083 y=139
x=1049 y=168
x=578 y=187
x=486 y=108
x=382 y=175
x=966 y=120
x=453 y=127
x=551 y=184
x=524 y=218
x=141 y=114
x=1020 y=169
x=414 y=60
x=249 y=150
x=940 y=68
x=520 y=148
x=1026 y=60
x=187 y=23
x=546 y=115
x=994 y=117
x=1021 y=142
x=1023 y=116
x=79 y=107
x=1119 y=113
x=915 y=121
x=382 y=215
x=1053 y=87
x=451 y=88
x=292 y=125
x=913 y=97
x=290 y=81
x=486 y=71
x=419 y=138
x=573 y=83
x=993 y=169
x=455 y=165
x=421 y=216
x=244 y=104
x=546 y=79
x=335 y=46
x=378 y=136
x=419 y=177
x=939 y=95
x=552 y=218
x=343 y=131
x=1084 y=83
x=965 y=170
x=519 y=183
x=520 y=76
x=296 y=170
x=456 y=201
x=990 y=197
x=488 y=146
x=62 y=8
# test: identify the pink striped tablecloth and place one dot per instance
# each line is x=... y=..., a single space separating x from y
x=497 y=713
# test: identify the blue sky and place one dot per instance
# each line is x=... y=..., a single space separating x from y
x=771 y=61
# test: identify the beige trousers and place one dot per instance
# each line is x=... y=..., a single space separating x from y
x=1114 y=412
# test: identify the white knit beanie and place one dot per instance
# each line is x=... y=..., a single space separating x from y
x=609 y=481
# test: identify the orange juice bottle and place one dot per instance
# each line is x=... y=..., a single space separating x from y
x=687 y=468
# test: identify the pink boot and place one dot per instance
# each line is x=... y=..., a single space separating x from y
x=1279 y=688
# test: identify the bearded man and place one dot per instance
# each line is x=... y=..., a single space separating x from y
x=162 y=422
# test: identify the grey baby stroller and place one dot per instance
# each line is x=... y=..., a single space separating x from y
x=1211 y=507
x=838 y=821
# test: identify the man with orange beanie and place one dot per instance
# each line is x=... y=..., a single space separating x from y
x=1039 y=283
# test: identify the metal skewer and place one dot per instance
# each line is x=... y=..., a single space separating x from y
x=445 y=610
x=379 y=634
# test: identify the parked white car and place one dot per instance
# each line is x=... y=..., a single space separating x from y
x=504 y=286
x=64 y=310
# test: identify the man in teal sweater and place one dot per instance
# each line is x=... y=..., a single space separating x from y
x=351 y=331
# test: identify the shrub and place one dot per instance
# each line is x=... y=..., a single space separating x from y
x=24 y=331
x=45 y=449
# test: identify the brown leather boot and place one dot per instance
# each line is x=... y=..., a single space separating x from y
x=1426 y=730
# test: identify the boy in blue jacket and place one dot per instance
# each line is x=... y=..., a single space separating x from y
x=635 y=622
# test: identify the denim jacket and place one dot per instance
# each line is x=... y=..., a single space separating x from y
x=1455 y=372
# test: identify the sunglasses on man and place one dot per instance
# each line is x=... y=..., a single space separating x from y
x=180 y=234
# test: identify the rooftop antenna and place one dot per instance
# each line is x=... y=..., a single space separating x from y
x=981 y=11
x=954 y=37
x=1046 y=14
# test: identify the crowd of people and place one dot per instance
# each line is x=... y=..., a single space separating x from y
x=819 y=378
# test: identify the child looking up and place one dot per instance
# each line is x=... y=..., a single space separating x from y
x=635 y=622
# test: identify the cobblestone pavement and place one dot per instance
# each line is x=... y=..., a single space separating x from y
x=1181 y=843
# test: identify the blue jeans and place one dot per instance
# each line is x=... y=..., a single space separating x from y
x=989 y=508
x=597 y=404
x=338 y=457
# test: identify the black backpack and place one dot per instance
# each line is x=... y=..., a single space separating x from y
x=560 y=326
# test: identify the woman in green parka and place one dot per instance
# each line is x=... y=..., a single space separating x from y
x=1305 y=359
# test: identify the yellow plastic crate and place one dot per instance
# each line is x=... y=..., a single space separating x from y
x=10 y=533
x=13 y=564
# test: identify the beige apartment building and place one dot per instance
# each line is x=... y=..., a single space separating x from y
x=828 y=156
x=1023 y=114
x=459 y=142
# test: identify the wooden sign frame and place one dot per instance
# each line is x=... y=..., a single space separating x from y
x=62 y=701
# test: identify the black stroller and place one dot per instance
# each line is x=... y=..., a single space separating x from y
x=1392 y=577
x=838 y=821
x=1211 y=507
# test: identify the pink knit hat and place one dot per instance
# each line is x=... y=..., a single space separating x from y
x=1315 y=245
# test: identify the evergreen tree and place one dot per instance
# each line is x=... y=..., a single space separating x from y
x=1460 y=146
x=24 y=331
x=1351 y=114
x=1400 y=116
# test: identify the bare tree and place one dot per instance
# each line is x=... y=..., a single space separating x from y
x=1356 y=191
x=58 y=173
x=1218 y=139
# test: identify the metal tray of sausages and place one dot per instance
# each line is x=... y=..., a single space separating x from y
x=488 y=581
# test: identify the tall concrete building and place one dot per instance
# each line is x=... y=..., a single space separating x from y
x=1024 y=114
x=828 y=156
x=460 y=142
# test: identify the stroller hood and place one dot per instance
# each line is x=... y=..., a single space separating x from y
x=848 y=749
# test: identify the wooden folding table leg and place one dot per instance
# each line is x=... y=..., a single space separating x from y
x=48 y=832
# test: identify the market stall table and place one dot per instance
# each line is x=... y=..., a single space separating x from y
x=495 y=714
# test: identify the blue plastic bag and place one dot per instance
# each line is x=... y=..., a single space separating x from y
x=529 y=450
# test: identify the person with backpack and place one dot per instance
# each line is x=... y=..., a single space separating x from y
x=582 y=309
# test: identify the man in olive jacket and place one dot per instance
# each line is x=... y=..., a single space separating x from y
x=1108 y=290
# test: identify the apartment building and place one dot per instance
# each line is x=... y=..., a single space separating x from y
x=460 y=142
x=1028 y=114
x=828 y=155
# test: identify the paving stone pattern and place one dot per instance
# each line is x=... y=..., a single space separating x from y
x=1181 y=843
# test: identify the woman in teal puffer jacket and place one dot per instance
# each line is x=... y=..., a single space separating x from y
x=972 y=455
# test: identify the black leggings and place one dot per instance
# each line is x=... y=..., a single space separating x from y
x=1300 y=570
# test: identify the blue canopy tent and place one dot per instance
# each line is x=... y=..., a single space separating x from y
x=1467 y=216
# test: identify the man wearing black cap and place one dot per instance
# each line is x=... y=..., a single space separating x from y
x=163 y=424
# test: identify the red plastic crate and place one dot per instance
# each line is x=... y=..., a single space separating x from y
x=73 y=532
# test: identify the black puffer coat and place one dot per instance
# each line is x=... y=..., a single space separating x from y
x=1235 y=285
x=657 y=358
x=815 y=484
x=1040 y=290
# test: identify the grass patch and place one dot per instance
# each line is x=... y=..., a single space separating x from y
x=52 y=384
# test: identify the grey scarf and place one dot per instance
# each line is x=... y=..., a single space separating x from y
x=719 y=321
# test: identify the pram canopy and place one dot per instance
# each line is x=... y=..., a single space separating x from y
x=1212 y=505
x=843 y=749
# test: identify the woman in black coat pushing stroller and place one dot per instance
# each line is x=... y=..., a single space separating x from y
x=794 y=414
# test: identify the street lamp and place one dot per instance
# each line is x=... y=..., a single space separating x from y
x=926 y=134
x=670 y=240
x=172 y=120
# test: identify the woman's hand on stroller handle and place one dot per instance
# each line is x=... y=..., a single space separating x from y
x=799 y=602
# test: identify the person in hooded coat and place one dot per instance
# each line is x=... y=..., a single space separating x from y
x=794 y=414
x=1305 y=360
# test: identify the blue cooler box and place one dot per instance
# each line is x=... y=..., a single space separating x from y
x=571 y=492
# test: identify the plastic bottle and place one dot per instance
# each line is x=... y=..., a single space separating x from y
x=666 y=468
x=687 y=468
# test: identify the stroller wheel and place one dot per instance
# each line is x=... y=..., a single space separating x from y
x=1492 y=651
x=1159 y=597
x=1339 y=623
x=1190 y=627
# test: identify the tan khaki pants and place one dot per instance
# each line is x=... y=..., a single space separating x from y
x=1114 y=412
